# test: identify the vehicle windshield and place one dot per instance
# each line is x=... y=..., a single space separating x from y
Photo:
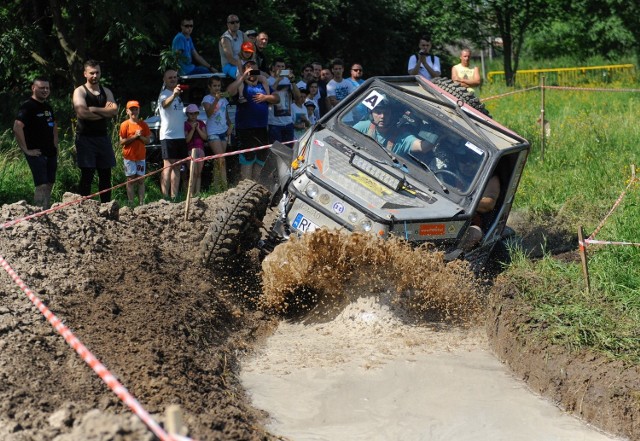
x=416 y=139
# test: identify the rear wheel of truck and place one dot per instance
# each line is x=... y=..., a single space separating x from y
x=236 y=228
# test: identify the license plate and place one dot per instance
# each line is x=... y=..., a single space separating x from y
x=303 y=224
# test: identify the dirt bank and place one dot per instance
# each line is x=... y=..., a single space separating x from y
x=127 y=284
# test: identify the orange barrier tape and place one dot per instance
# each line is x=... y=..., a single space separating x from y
x=89 y=358
x=591 y=89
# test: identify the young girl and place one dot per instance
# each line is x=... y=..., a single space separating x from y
x=195 y=132
x=218 y=127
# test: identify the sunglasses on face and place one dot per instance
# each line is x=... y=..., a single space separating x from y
x=187 y=26
x=357 y=70
x=234 y=22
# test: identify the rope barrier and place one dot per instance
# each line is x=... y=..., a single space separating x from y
x=107 y=377
x=509 y=93
x=615 y=205
x=84 y=198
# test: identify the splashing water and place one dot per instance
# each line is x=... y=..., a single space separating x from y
x=321 y=272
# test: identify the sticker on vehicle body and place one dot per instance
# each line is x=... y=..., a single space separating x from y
x=372 y=99
x=338 y=208
x=474 y=147
x=303 y=224
x=370 y=184
x=432 y=230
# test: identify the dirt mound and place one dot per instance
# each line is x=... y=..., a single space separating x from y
x=125 y=283
x=128 y=284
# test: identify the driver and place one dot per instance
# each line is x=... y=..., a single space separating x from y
x=383 y=127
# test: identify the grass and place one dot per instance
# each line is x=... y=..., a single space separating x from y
x=587 y=164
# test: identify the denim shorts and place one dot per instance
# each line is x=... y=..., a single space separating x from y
x=218 y=137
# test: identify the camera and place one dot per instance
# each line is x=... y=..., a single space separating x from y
x=284 y=72
x=424 y=53
x=254 y=72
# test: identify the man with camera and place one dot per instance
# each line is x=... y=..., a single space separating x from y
x=172 y=140
x=424 y=63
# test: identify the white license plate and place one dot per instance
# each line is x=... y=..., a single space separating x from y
x=303 y=224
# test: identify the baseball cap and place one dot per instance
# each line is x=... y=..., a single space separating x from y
x=192 y=108
x=310 y=103
x=131 y=104
x=247 y=46
x=251 y=32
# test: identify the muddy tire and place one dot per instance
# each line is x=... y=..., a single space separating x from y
x=236 y=227
x=460 y=92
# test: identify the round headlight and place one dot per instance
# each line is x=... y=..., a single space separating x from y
x=353 y=217
x=312 y=190
x=366 y=225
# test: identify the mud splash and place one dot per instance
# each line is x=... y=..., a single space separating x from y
x=319 y=274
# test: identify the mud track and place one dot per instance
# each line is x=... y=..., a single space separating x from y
x=127 y=284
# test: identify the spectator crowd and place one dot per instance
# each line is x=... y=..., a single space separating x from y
x=273 y=104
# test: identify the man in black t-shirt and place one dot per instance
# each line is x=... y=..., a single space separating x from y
x=36 y=132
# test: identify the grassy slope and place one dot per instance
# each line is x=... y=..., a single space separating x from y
x=594 y=140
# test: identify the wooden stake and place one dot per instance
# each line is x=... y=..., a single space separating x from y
x=174 y=422
x=190 y=185
x=583 y=257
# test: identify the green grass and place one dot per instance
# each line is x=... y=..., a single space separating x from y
x=587 y=164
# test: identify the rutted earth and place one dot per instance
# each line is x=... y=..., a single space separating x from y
x=127 y=284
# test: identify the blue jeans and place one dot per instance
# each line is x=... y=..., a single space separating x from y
x=281 y=133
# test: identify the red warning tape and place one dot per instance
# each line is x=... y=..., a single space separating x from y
x=90 y=359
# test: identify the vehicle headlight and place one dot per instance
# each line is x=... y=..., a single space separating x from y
x=366 y=225
x=312 y=190
x=353 y=217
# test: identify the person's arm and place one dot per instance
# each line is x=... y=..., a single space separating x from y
x=272 y=98
x=228 y=53
x=55 y=136
x=475 y=81
x=490 y=195
x=145 y=135
x=18 y=131
x=232 y=88
x=196 y=56
x=455 y=77
x=110 y=109
x=168 y=100
x=413 y=68
x=294 y=86
x=210 y=108
x=190 y=132
x=229 y=123
x=202 y=131
x=435 y=71
x=80 y=105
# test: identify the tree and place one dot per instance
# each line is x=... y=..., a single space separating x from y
x=513 y=20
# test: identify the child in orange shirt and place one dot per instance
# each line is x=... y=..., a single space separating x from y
x=134 y=135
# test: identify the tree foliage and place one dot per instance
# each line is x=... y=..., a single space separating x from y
x=130 y=39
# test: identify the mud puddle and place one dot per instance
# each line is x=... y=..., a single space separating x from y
x=391 y=349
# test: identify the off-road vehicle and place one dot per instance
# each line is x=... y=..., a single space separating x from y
x=420 y=175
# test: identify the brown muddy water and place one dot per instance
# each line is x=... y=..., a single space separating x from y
x=385 y=342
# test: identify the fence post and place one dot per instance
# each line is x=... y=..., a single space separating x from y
x=190 y=185
x=542 y=126
x=583 y=257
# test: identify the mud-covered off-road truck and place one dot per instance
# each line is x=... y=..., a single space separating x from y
x=401 y=156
